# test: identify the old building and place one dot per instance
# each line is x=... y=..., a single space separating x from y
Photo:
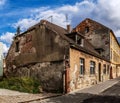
x=104 y=41
x=1 y=59
x=61 y=60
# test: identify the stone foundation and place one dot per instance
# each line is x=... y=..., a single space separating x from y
x=49 y=74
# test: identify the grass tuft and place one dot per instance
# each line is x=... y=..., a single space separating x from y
x=23 y=84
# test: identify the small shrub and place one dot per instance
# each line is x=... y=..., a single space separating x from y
x=23 y=84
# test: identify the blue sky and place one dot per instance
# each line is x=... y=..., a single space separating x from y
x=25 y=13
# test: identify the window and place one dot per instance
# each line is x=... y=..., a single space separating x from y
x=79 y=40
x=17 y=47
x=107 y=69
x=111 y=54
x=92 y=67
x=86 y=29
x=82 y=66
x=104 y=69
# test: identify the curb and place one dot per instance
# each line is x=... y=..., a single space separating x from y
x=108 y=87
x=27 y=101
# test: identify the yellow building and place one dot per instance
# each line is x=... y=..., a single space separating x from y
x=114 y=55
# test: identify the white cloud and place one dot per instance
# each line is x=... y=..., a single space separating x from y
x=7 y=37
x=102 y=11
x=2 y=2
x=5 y=48
x=25 y=23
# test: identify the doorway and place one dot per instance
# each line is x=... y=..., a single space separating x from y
x=111 y=75
x=99 y=72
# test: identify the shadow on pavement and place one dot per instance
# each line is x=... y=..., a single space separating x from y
x=103 y=99
x=83 y=98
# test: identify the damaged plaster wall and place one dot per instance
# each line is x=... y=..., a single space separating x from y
x=49 y=74
x=78 y=81
x=41 y=55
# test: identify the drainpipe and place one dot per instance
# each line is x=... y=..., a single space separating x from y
x=67 y=90
x=66 y=76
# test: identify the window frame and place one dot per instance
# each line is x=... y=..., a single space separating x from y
x=82 y=66
x=92 y=67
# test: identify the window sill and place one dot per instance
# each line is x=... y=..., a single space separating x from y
x=81 y=76
x=91 y=75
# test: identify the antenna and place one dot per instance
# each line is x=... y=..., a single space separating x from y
x=51 y=17
x=66 y=17
x=18 y=30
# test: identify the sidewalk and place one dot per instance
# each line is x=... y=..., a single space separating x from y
x=98 y=88
x=10 y=96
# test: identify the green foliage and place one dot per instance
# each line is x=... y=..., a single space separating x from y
x=22 y=84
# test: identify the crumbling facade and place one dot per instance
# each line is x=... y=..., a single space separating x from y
x=61 y=60
x=104 y=41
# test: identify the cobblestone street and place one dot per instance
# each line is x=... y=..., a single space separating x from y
x=106 y=92
x=101 y=93
x=9 y=96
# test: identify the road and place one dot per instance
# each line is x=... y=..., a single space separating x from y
x=111 y=95
x=89 y=95
x=113 y=91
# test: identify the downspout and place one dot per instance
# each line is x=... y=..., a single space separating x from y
x=66 y=72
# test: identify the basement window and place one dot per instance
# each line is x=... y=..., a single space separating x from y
x=17 y=47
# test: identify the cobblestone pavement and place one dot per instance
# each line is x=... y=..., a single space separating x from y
x=89 y=95
x=81 y=98
x=9 y=96
x=112 y=91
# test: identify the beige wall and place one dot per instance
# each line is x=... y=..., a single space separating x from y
x=115 y=50
x=114 y=55
x=82 y=81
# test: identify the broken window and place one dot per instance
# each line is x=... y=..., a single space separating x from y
x=82 y=66
x=17 y=47
x=86 y=29
x=92 y=67
x=79 y=40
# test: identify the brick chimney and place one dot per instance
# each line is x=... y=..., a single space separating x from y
x=69 y=28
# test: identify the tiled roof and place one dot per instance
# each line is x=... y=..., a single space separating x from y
x=87 y=48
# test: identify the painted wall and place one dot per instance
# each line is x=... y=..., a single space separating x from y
x=82 y=81
x=114 y=55
x=115 y=50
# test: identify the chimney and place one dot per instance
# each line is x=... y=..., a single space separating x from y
x=18 y=30
x=69 y=28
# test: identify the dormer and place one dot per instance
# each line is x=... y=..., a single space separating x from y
x=77 y=38
x=100 y=50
